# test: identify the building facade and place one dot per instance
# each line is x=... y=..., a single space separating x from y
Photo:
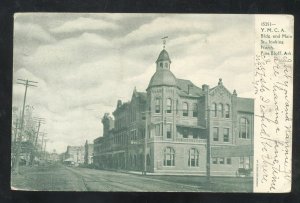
x=188 y=129
x=88 y=153
x=74 y=155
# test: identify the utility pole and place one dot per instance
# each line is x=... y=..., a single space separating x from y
x=16 y=131
x=208 y=147
x=26 y=83
x=34 y=149
x=144 y=172
x=43 y=136
x=44 y=151
x=145 y=147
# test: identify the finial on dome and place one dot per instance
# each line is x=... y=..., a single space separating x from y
x=164 y=41
x=220 y=81
x=234 y=93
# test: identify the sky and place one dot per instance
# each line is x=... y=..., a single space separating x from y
x=84 y=63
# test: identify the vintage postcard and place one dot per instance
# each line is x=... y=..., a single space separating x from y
x=152 y=102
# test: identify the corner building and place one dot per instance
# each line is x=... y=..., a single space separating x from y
x=183 y=122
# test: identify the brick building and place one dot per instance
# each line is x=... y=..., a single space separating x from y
x=182 y=121
x=74 y=155
x=88 y=153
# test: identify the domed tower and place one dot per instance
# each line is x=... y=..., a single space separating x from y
x=163 y=76
x=162 y=98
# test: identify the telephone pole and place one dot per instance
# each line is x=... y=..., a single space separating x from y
x=26 y=83
x=145 y=142
x=44 y=151
x=208 y=147
x=34 y=150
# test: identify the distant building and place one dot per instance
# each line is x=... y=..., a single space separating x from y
x=53 y=157
x=180 y=121
x=74 y=154
x=88 y=153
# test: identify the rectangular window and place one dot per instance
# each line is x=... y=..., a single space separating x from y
x=169 y=131
x=169 y=105
x=228 y=160
x=157 y=105
x=226 y=134
x=157 y=130
x=221 y=160
x=185 y=109
x=215 y=160
x=216 y=134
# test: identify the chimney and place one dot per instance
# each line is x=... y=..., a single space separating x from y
x=119 y=103
x=205 y=87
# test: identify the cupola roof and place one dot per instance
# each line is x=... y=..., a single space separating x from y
x=163 y=56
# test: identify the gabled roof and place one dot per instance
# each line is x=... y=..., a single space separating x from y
x=220 y=86
x=186 y=86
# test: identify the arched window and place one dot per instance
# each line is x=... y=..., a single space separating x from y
x=157 y=105
x=169 y=157
x=214 y=109
x=169 y=105
x=227 y=111
x=161 y=65
x=166 y=65
x=220 y=110
x=244 y=128
x=195 y=110
x=193 y=157
x=185 y=109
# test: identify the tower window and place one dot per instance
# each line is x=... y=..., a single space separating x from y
x=185 y=109
x=161 y=65
x=166 y=65
x=169 y=105
x=157 y=105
